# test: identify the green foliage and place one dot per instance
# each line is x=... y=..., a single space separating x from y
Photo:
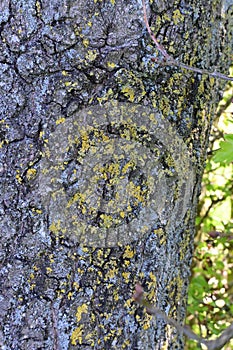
x=225 y=153
x=210 y=299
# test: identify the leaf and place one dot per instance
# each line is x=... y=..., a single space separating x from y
x=225 y=153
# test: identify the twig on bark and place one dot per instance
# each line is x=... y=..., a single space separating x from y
x=170 y=61
x=216 y=344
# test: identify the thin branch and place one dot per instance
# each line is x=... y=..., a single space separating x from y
x=222 y=108
x=216 y=344
x=212 y=204
x=170 y=61
x=216 y=201
x=159 y=47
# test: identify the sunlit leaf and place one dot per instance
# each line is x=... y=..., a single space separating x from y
x=225 y=153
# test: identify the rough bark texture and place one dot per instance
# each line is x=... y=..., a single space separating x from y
x=58 y=58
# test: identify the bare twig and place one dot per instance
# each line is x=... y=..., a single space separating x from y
x=159 y=46
x=170 y=61
x=222 y=107
x=214 y=202
x=216 y=344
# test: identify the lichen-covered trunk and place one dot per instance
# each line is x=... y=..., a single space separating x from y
x=102 y=150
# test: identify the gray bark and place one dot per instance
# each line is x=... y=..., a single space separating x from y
x=102 y=152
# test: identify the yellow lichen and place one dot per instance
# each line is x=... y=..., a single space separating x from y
x=31 y=173
x=111 y=64
x=85 y=42
x=60 y=120
x=55 y=227
x=82 y=309
x=18 y=177
x=75 y=285
x=128 y=92
x=129 y=252
x=127 y=303
x=152 y=277
x=177 y=17
x=36 y=210
x=107 y=220
x=91 y=55
x=146 y=325
x=69 y=295
x=68 y=83
x=64 y=73
x=49 y=270
x=111 y=273
x=76 y=335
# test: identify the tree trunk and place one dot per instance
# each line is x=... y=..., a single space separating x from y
x=102 y=151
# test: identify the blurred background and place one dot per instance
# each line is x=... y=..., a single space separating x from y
x=210 y=301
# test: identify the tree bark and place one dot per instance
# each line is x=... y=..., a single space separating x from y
x=102 y=151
